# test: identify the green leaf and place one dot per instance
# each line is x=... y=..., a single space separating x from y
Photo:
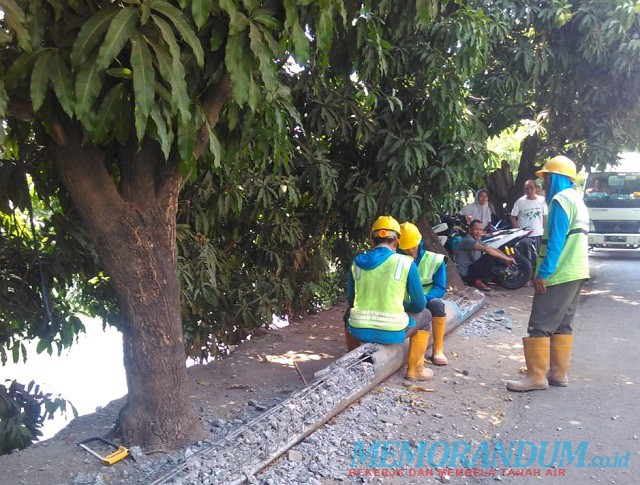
x=140 y=120
x=120 y=72
x=423 y=10
x=175 y=78
x=254 y=93
x=266 y=18
x=163 y=131
x=200 y=9
x=229 y=6
x=169 y=37
x=91 y=33
x=300 y=43
x=238 y=23
x=43 y=344
x=218 y=35
x=88 y=86
x=120 y=31
x=122 y=122
x=107 y=113
x=325 y=29
x=40 y=78
x=4 y=100
x=239 y=67
x=143 y=75
x=62 y=83
x=265 y=58
x=14 y=19
x=18 y=69
x=215 y=147
x=180 y=23
x=187 y=132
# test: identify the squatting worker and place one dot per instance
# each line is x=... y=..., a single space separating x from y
x=433 y=275
x=563 y=267
x=378 y=282
x=474 y=260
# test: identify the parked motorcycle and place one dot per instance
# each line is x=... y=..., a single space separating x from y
x=513 y=242
x=517 y=244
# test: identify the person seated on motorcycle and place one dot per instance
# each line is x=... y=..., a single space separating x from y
x=480 y=209
x=385 y=300
x=475 y=260
x=433 y=274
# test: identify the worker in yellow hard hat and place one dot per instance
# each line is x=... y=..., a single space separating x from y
x=378 y=312
x=433 y=275
x=563 y=267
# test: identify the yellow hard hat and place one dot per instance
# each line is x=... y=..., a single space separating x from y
x=410 y=236
x=559 y=164
x=386 y=223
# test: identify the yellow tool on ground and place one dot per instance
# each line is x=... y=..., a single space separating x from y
x=120 y=454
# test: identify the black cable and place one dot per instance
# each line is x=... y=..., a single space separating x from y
x=43 y=287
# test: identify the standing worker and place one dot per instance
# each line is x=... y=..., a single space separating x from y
x=529 y=212
x=433 y=274
x=378 y=282
x=563 y=267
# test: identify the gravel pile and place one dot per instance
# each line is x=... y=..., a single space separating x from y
x=486 y=325
x=327 y=454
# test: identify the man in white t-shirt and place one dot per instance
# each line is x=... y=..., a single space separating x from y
x=529 y=211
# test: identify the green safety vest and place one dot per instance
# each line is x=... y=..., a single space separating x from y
x=429 y=264
x=379 y=295
x=573 y=263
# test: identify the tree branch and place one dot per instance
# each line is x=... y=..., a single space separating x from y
x=86 y=178
x=212 y=102
x=21 y=110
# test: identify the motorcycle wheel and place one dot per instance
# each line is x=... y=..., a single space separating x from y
x=514 y=276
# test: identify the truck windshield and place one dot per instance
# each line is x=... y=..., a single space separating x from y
x=612 y=189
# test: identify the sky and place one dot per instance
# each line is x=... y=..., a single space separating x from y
x=90 y=374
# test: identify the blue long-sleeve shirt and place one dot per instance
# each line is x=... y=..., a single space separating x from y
x=557 y=227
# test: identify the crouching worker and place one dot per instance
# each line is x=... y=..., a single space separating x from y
x=432 y=268
x=378 y=282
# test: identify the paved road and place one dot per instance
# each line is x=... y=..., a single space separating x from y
x=601 y=404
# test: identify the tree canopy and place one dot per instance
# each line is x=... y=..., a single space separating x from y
x=194 y=167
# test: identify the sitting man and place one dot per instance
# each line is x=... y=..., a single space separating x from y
x=433 y=274
x=378 y=282
x=475 y=260
x=599 y=189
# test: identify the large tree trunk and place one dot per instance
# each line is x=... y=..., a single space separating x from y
x=526 y=169
x=503 y=190
x=432 y=243
x=133 y=228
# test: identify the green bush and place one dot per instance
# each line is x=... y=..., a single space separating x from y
x=23 y=410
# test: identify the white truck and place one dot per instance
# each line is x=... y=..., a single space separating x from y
x=613 y=200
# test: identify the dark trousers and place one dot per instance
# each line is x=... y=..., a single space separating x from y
x=552 y=312
x=437 y=308
x=480 y=269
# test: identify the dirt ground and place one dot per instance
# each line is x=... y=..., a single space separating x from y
x=468 y=398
